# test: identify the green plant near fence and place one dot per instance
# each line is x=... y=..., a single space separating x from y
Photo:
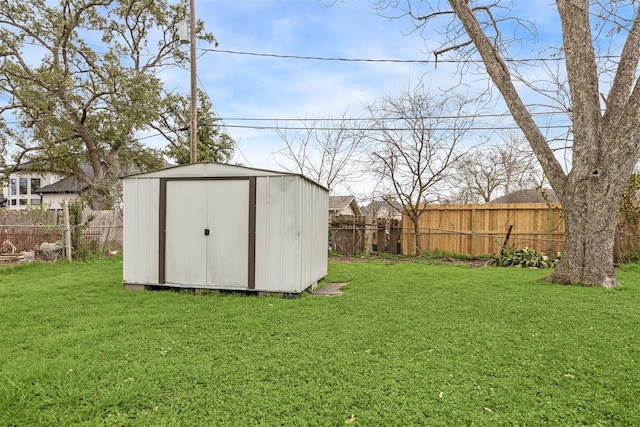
x=526 y=257
x=79 y=225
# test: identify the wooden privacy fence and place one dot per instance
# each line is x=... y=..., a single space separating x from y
x=482 y=229
x=350 y=235
x=105 y=229
x=387 y=236
x=347 y=234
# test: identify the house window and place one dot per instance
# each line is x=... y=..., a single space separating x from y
x=14 y=186
x=23 y=202
x=23 y=186
x=35 y=185
x=14 y=202
x=36 y=201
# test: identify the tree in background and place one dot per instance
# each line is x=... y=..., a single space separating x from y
x=214 y=145
x=415 y=141
x=601 y=51
x=82 y=80
x=486 y=173
x=324 y=150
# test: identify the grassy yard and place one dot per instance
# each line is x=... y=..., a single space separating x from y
x=406 y=344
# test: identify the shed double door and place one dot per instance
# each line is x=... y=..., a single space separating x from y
x=206 y=237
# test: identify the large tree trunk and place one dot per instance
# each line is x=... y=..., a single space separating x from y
x=416 y=230
x=591 y=219
x=416 y=227
x=605 y=146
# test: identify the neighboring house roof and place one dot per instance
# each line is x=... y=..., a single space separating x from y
x=14 y=168
x=72 y=184
x=392 y=208
x=68 y=185
x=338 y=203
x=537 y=195
x=26 y=166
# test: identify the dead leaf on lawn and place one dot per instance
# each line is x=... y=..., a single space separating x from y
x=441 y=395
x=570 y=376
x=351 y=420
x=489 y=410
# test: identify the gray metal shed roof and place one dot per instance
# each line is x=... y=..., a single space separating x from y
x=206 y=169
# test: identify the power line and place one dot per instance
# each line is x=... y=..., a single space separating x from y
x=320 y=58
x=365 y=119
x=395 y=129
x=330 y=119
x=401 y=61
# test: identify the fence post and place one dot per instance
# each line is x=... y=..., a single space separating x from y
x=473 y=231
x=354 y=249
x=362 y=233
x=393 y=237
x=382 y=237
x=368 y=232
x=67 y=230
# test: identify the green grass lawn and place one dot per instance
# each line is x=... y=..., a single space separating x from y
x=406 y=344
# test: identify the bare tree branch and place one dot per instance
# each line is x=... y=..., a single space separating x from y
x=326 y=151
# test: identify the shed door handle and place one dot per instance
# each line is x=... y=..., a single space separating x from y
x=206 y=231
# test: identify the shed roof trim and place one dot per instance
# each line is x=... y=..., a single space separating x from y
x=205 y=169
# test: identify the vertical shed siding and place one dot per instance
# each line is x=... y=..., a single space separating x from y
x=140 y=230
x=313 y=206
x=276 y=233
x=267 y=223
x=291 y=233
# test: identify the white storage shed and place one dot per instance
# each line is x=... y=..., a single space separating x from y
x=217 y=226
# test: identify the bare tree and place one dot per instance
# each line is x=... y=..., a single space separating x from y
x=605 y=128
x=486 y=173
x=415 y=146
x=324 y=150
x=480 y=177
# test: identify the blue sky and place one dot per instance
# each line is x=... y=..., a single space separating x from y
x=253 y=87
x=275 y=89
x=265 y=91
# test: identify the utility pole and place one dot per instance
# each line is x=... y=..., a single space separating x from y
x=194 y=81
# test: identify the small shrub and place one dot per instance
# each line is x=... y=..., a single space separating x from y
x=81 y=250
x=632 y=256
x=526 y=257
